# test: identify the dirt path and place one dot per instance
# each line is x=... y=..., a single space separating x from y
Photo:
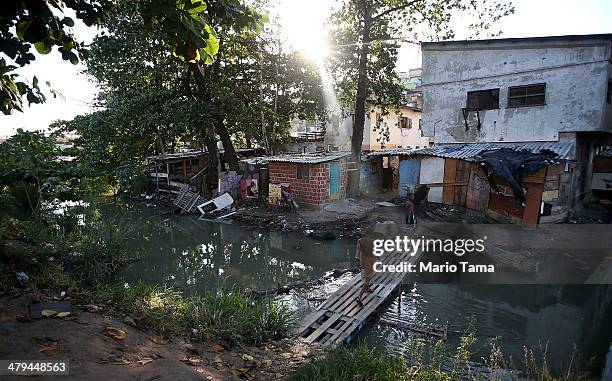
x=94 y=355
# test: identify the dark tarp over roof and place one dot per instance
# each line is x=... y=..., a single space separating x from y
x=512 y=166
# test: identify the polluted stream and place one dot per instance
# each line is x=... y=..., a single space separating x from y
x=198 y=256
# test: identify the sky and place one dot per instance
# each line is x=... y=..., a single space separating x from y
x=532 y=18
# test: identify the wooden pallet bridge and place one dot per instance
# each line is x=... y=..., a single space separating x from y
x=339 y=318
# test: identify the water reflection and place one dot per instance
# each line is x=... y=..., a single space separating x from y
x=195 y=255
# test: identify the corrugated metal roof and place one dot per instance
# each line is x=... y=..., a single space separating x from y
x=258 y=160
x=468 y=151
x=308 y=158
x=177 y=155
x=391 y=152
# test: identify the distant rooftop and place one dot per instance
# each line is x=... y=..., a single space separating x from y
x=433 y=45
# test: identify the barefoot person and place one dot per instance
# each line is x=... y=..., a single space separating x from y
x=364 y=254
x=409 y=205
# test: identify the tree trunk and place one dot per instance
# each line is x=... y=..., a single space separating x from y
x=212 y=167
x=228 y=146
x=230 y=153
x=360 y=110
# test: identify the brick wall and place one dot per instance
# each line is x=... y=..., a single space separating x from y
x=313 y=191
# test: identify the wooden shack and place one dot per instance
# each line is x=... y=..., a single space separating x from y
x=168 y=173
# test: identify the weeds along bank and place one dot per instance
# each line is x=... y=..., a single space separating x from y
x=435 y=361
x=79 y=251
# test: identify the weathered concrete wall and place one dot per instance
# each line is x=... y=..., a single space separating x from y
x=370 y=179
x=311 y=146
x=432 y=171
x=398 y=137
x=339 y=130
x=575 y=72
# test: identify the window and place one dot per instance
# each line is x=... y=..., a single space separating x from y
x=609 y=94
x=303 y=171
x=483 y=99
x=529 y=95
x=374 y=167
x=405 y=122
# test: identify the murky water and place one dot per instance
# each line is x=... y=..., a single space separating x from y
x=551 y=319
x=197 y=255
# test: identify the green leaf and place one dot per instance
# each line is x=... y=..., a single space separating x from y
x=68 y=22
x=21 y=28
x=43 y=47
x=34 y=81
x=73 y=58
x=212 y=44
x=196 y=6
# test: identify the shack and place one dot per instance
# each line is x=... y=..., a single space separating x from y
x=314 y=178
x=170 y=172
x=388 y=171
x=602 y=175
x=483 y=176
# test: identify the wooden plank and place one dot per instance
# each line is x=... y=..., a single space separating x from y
x=328 y=323
x=310 y=319
x=450 y=172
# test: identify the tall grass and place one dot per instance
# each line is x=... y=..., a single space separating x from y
x=225 y=315
x=425 y=361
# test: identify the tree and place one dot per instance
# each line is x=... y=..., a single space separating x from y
x=156 y=102
x=40 y=24
x=366 y=35
x=32 y=172
x=180 y=24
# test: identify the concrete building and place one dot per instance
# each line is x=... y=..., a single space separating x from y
x=395 y=130
x=523 y=90
x=400 y=129
x=304 y=136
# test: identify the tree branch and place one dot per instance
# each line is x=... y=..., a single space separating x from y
x=396 y=8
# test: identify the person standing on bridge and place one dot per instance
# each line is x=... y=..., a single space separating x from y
x=364 y=253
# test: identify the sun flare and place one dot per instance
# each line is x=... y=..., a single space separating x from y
x=302 y=23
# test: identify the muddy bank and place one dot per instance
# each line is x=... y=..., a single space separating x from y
x=343 y=218
x=82 y=338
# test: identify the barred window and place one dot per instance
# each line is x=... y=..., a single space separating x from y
x=483 y=99
x=529 y=95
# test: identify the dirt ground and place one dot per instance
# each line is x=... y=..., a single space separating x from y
x=82 y=338
x=347 y=217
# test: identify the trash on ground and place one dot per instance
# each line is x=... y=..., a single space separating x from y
x=49 y=309
x=115 y=333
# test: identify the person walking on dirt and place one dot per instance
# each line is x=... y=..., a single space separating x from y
x=409 y=206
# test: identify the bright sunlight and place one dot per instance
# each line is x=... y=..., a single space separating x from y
x=302 y=22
